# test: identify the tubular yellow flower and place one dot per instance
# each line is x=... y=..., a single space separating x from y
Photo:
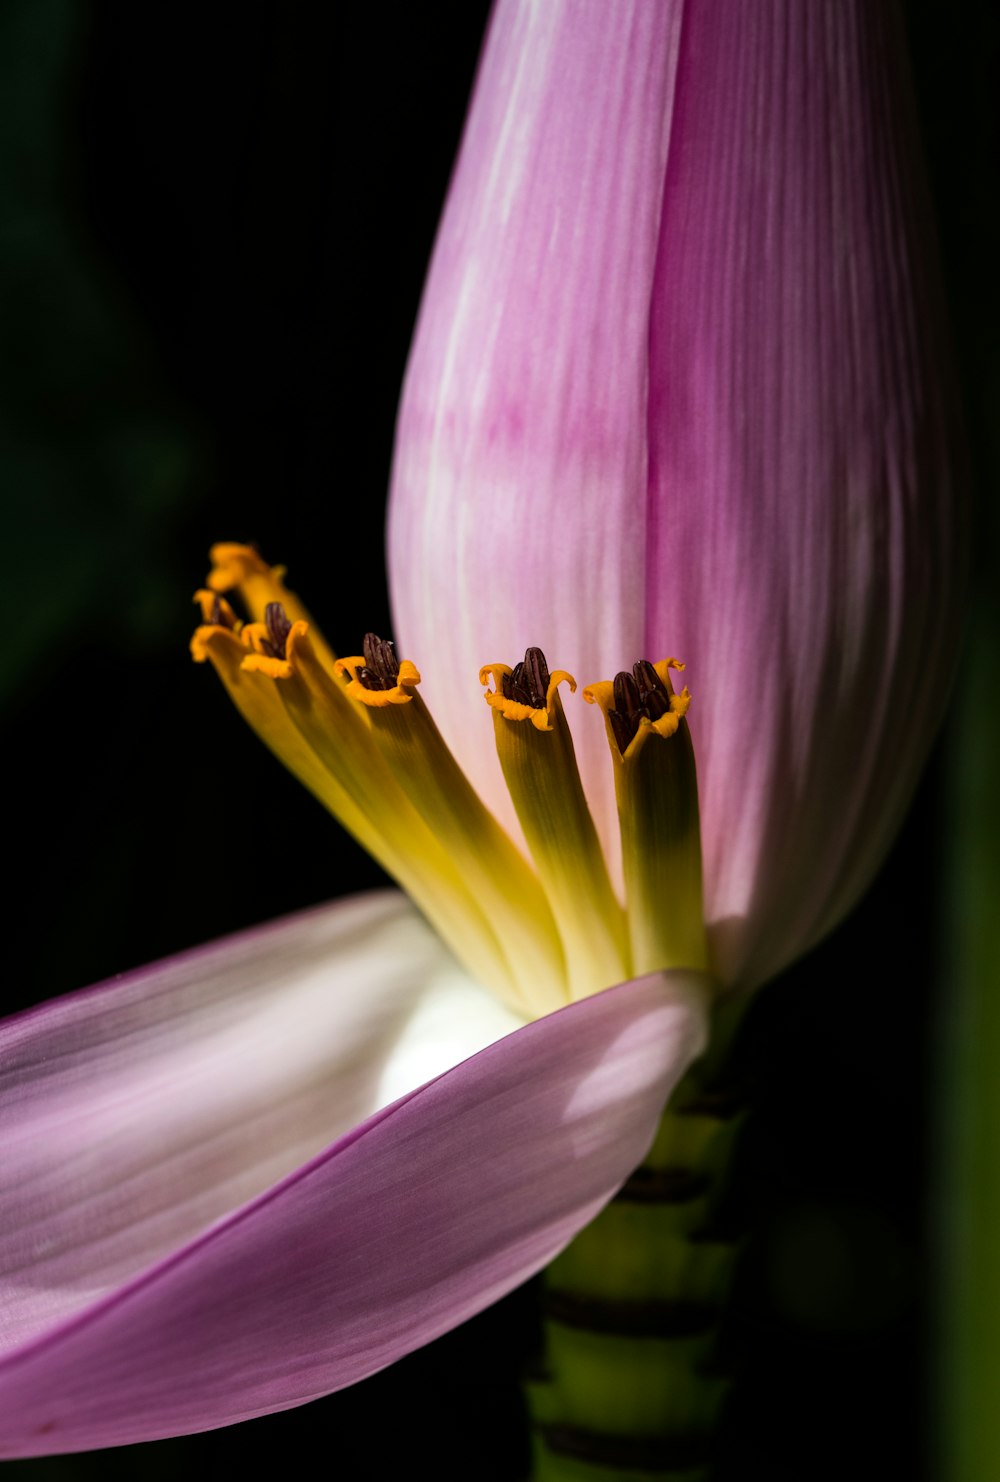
x=242 y=570
x=602 y=423
x=403 y=731
x=358 y=734
x=300 y=710
x=540 y=934
x=536 y=754
x=657 y=793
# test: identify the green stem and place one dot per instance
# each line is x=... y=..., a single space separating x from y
x=632 y=1391
x=967 y=1209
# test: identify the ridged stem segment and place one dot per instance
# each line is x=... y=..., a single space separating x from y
x=632 y=1388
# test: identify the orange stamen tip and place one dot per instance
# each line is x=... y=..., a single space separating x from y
x=400 y=694
x=209 y=636
x=258 y=663
x=233 y=563
x=601 y=692
x=541 y=716
x=256 y=637
x=632 y=704
x=215 y=610
x=298 y=640
x=264 y=657
x=199 y=645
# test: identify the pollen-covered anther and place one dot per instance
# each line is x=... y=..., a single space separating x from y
x=644 y=700
x=377 y=677
x=526 y=692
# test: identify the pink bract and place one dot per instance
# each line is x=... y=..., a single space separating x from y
x=234 y=1181
x=679 y=386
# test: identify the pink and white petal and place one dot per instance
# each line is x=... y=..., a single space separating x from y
x=519 y=484
x=407 y=1225
x=806 y=500
x=137 y=1113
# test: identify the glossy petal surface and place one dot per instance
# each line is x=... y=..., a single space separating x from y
x=184 y=1246
x=680 y=387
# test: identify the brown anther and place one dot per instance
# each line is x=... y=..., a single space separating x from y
x=218 y=614
x=654 y=697
x=639 y=695
x=278 y=627
x=627 y=699
x=528 y=682
x=381 y=667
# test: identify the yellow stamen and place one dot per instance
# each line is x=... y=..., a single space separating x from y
x=306 y=708
x=657 y=792
x=538 y=760
x=420 y=864
x=495 y=871
x=359 y=735
x=242 y=569
x=257 y=700
x=395 y=786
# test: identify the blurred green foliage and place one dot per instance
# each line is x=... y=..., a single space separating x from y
x=968 y=1141
x=957 y=55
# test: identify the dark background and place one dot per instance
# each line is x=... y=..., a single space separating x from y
x=214 y=224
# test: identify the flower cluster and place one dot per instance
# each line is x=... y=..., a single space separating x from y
x=676 y=386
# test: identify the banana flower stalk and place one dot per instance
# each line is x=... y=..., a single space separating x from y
x=676 y=388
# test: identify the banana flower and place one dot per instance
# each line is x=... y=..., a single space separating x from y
x=675 y=388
